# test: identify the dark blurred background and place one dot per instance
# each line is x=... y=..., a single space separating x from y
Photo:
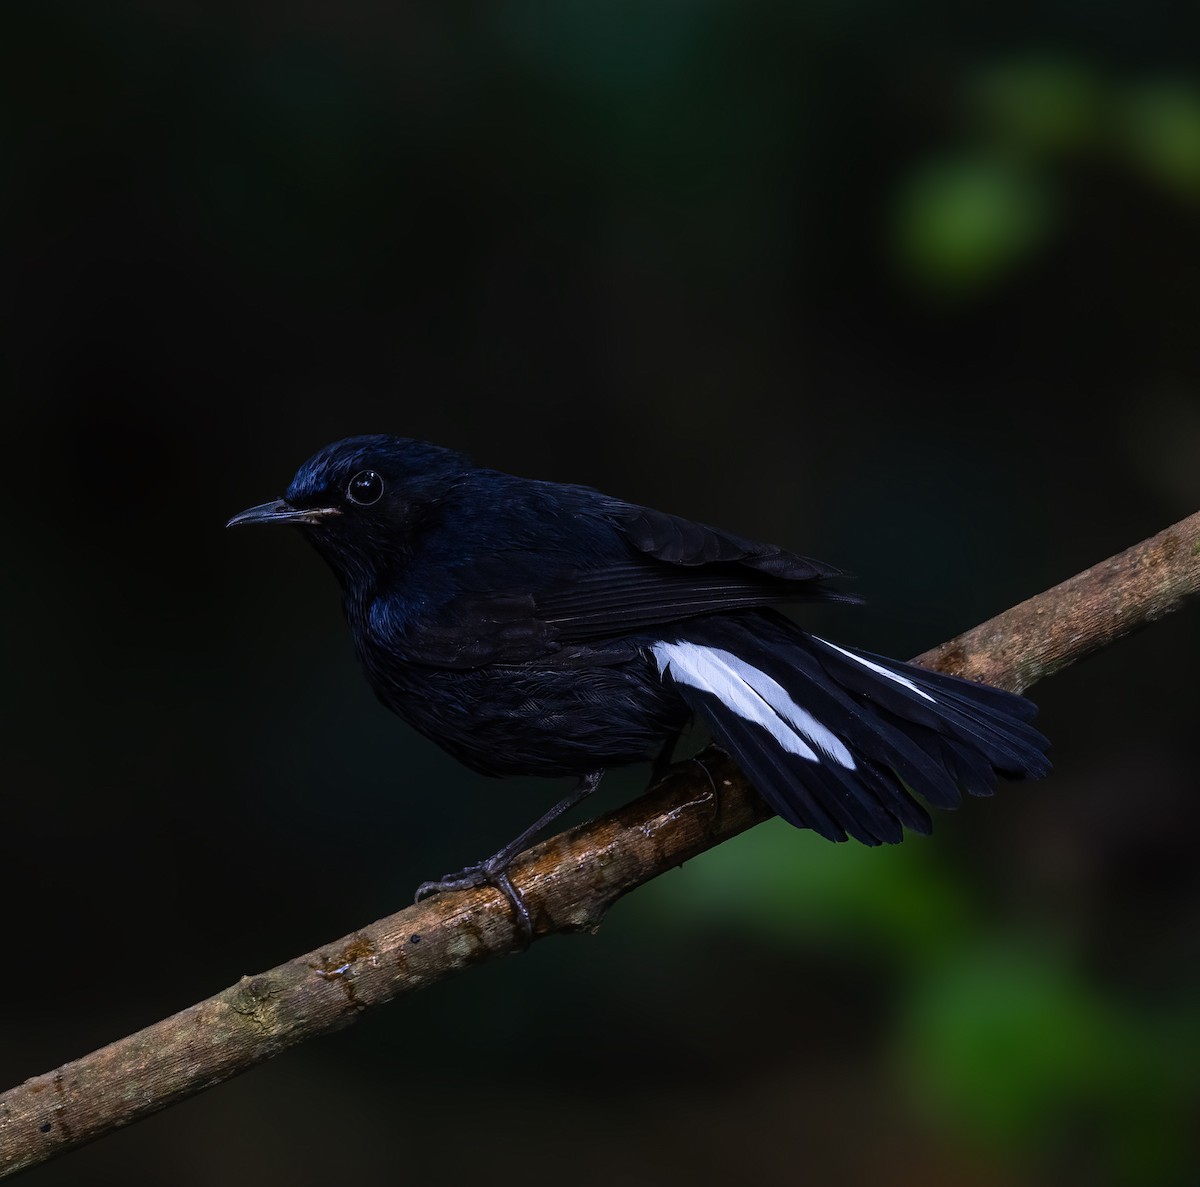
x=910 y=287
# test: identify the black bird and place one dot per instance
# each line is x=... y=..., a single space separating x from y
x=532 y=628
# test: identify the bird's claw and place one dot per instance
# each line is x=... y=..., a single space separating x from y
x=464 y=880
x=486 y=873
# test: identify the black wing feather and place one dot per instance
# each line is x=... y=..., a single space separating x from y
x=641 y=593
x=649 y=569
x=682 y=542
x=676 y=569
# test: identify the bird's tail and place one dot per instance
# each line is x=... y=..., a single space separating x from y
x=836 y=739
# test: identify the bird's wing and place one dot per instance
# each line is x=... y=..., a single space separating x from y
x=679 y=541
x=673 y=569
x=635 y=594
x=640 y=569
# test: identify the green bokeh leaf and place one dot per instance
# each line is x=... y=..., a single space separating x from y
x=1006 y=1044
x=789 y=885
x=1161 y=122
x=1039 y=105
x=960 y=223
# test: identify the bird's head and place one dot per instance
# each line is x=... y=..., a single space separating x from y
x=360 y=501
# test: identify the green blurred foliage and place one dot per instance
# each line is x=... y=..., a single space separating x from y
x=891 y=899
x=1000 y=1035
x=966 y=219
x=1161 y=126
x=961 y=223
x=1037 y=106
x=1016 y=1047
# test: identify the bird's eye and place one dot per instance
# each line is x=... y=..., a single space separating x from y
x=366 y=487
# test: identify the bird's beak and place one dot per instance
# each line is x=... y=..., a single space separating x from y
x=281 y=511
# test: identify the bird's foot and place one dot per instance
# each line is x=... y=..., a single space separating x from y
x=492 y=872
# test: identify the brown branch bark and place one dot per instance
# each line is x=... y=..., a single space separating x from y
x=568 y=881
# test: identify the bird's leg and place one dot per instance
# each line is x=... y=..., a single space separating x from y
x=494 y=871
x=712 y=783
x=662 y=761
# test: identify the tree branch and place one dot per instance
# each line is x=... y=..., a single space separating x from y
x=568 y=881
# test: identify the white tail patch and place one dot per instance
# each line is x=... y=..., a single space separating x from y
x=752 y=695
x=866 y=663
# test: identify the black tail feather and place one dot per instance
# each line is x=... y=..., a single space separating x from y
x=988 y=719
x=837 y=740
